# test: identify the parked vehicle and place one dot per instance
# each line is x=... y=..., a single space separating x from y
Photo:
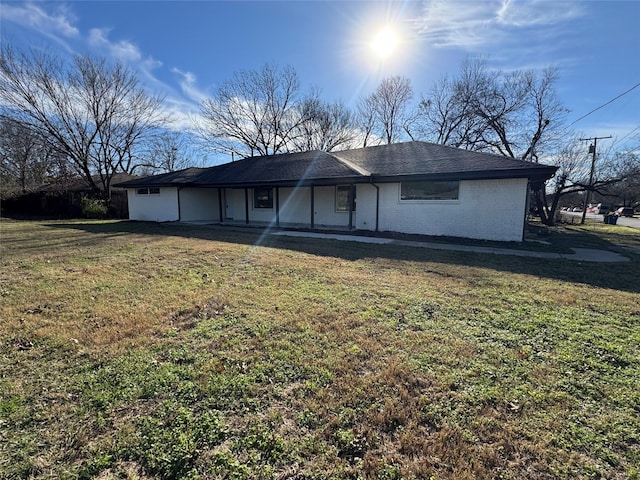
x=603 y=208
x=625 y=212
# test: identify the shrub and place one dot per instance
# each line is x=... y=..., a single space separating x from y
x=93 y=208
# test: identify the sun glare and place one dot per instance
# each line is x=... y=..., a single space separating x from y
x=384 y=43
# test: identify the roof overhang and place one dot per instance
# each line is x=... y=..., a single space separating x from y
x=534 y=175
x=537 y=174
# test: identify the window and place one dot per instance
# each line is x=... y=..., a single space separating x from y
x=263 y=198
x=429 y=190
x=342 y=198
x=148 y=191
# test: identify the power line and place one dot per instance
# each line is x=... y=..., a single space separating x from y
x=604 y=105
x=618 y=140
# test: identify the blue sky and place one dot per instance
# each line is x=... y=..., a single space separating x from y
x=185 y=49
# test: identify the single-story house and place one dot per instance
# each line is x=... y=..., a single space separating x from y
x=413 y=187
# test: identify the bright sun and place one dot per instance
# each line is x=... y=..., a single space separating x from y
x=384 y=43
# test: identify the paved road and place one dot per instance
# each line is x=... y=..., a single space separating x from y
x=633 y=222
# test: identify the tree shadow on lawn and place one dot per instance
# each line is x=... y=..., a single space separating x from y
x=615 y=276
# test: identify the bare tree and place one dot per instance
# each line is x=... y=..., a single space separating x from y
x=571 y=177
x=92 y=112
x=514 y=114
x=447 y=116
x=167 y=151
x=615 y=175
x=385 y=111
x=25 y=158
x=366 y=118
x=521 y=111
x=627 y=190
x=253 y=113
x=323 y=126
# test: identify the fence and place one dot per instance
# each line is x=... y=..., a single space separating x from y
x=60 y=204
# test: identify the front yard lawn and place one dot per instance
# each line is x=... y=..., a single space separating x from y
x=135 y=350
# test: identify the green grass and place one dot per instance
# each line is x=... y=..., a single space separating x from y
x=132 y=350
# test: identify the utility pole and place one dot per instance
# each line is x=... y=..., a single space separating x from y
x=592 y=150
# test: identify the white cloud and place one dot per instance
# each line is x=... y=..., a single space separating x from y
x=478 y=25
x=188 y=86
x=58 y=22
x=537 y=13
x=122 y=50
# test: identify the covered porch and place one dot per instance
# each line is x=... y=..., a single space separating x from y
x=330 y=207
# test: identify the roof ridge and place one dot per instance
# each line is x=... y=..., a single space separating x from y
x=351 y=165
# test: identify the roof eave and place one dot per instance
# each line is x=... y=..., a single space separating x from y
x=537 y=174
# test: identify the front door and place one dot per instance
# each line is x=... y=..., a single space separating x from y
x=228 y=204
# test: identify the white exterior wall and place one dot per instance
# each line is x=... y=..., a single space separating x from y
x=162 y=207
x=295 y=205
x=485 y=209
x=325 y=214
x=199 y=204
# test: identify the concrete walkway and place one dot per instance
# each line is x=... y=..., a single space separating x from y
x=579 y=255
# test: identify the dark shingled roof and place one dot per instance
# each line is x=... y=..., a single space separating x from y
x=384 y=163
x=284 y=169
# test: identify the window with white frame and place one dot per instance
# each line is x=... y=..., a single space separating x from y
x=447 y=190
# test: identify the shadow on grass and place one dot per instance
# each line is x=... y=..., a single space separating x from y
x=615 y=276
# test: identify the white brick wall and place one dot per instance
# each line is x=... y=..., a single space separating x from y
x=199 y=204
x=162 y=207
x=325 y=208
x=485 y=209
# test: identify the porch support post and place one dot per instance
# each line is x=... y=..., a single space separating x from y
x=220 y=204
x=246 y=205
x=179 y=206
x=352 y=190
x=313 y=207
x=278 y=207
